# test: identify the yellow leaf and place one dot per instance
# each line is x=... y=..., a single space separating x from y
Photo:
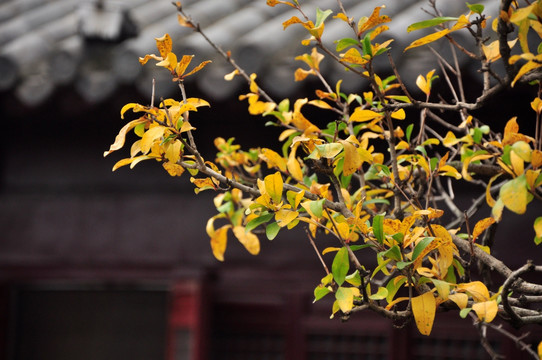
x=517 y=163
x=481 y=226
x=536 y=159
x=120 y=138
x=198 y=68
x=330 y=249
x=219 y=240
x=273 y=159
x=273 y=186
x=486 y=310
x=399 y=114
x=144 y=60
x=345 y=297
x=230 y=76
x=428 y=39
x=422 y=84
x=203 y=183
x=514 y=195
x=183 y=64
x=285 y=216
x=476 y=289
x=352 y=159
x=353 y=56
x=173 y=169
x=294 y=168
x=450 y=139
x=248 y=239
x=360 y=115
x=424 y=308
x=150 y=137
x=164 y=45
x=530 y=65
x=374 y=20
x=170 y=62
x=523 y=150
x=321 y=104
x=131 y=161
x=173 y=152
x=342 y=17
x=540 y=350
x=186 y=126
x=460 y=299
x=468 y=160
x=403 y=145
x=536 y=105
x=134 y=106
x=301 y=74
x=489 y=199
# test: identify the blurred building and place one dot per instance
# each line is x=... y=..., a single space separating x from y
x=102 y=265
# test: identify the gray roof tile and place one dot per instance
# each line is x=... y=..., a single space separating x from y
x=42 y=43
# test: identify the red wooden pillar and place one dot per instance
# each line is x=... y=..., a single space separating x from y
x=187 y=324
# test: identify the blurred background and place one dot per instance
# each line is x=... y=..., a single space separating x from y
x=102 y=265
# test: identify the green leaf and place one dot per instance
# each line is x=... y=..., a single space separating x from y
x=464 y=312
x=366 y=44
x=393 y=286
x=321 y=16
x=376 y=201
x=359 y=247
x=403 y=264
x=381 y=294
x=378 y=228
x=443 y=288
x=272 y=230
x=476 y=8
x=515 y=195
x=316 y=207
x=345 y=298
x=284 y=105
x=538 y=230
x=477 y=135
x=421 y=246
x=263 y=218
x=320 y=291
x=340 y=266
x=430 y=23
x=381 y=265
x=327 y=151
x=326 y=280
x=408 y=132
x=354 y=279
x=393 y=253
x=226 y=207
x=344 y=43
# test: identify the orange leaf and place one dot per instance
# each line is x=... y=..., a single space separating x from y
x=536 y=159
x=219 y=240
x=164 y=45
x=481 y=226
x=198 y=68
x=374 y=20
x=183 y=64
